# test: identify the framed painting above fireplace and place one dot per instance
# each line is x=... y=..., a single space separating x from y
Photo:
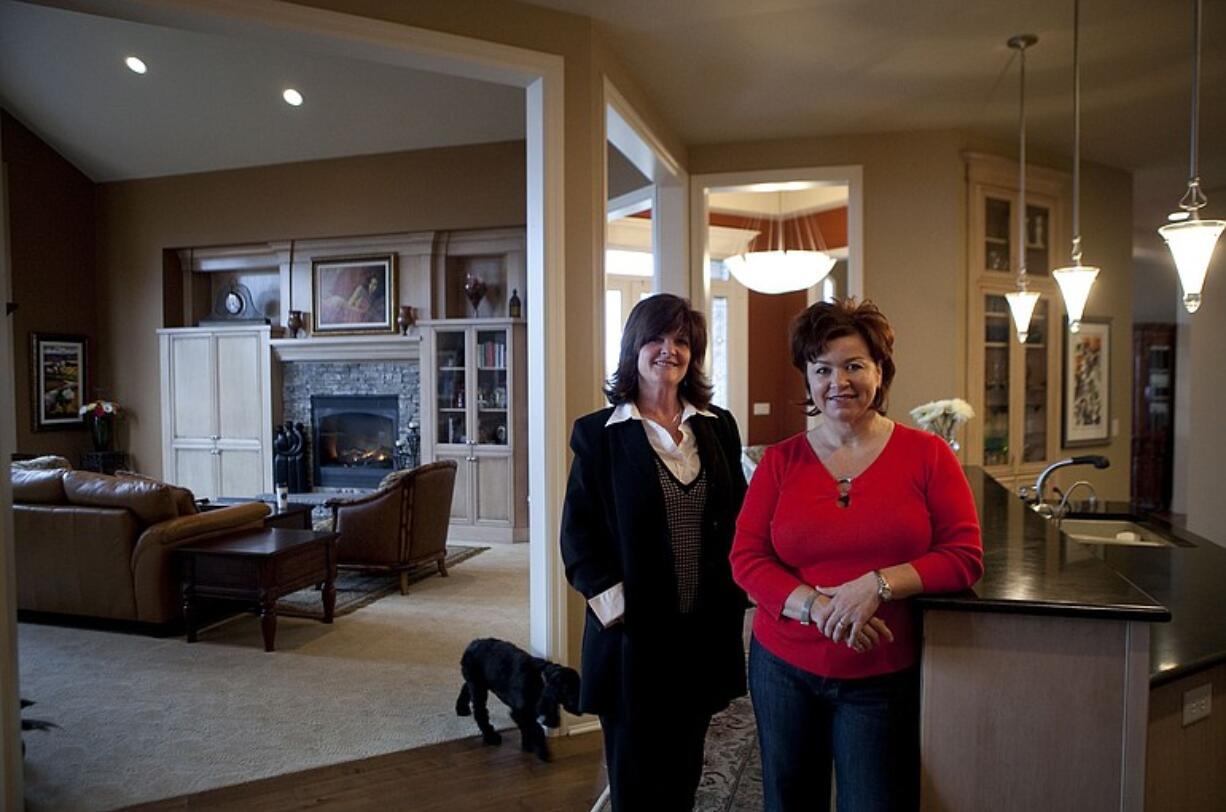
x=354 y=295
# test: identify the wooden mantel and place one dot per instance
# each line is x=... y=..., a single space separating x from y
x=349 y=348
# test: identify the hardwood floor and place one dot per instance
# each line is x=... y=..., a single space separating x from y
x=455 y=775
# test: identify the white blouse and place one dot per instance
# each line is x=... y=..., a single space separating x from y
x=681 y=459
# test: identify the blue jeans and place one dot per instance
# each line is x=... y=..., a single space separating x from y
x=868 y=729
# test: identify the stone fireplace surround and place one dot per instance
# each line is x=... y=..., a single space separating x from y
x=302 y=375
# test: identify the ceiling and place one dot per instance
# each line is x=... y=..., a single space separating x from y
x=730 y=70
x=719 y=70
x=213 y=102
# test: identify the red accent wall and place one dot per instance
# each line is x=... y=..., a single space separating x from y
x=772 y=378
x=805 y=231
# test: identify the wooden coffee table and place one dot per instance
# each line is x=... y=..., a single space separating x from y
x=257 y=567
x=294 y=515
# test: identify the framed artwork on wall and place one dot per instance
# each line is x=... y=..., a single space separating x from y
x=1087 y=384
x=58 y=379
x=354 y=295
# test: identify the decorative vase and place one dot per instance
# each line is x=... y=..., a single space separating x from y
x=474 y=289
x=294 y=323
x=101 y=429
x=405 y=319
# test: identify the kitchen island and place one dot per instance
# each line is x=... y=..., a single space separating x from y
x=1037 y=683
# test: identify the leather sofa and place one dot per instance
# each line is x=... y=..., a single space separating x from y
x=101 y=546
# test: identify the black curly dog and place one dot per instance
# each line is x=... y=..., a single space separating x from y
x=530 y=686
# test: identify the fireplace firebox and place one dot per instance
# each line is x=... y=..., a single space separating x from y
x=354 y=436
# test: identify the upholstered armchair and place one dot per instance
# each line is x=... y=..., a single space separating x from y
x=403 y=524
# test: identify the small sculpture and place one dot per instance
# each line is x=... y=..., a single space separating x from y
x=474 y=289
x=294 y=323
x=405 y=319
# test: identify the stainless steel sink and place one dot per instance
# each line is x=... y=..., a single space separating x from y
x=1112 y=531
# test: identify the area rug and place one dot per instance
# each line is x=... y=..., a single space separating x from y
x=731 y=769
x=355 y=588
x=143 y=717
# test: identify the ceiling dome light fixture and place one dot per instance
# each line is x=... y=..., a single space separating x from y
x=136 y=64
x=1022 y=301
x=1192 y=239
x=292 y=97
x=776 y=268
x=1076 y=280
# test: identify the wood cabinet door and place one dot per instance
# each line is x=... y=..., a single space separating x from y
x=493 y=489
x=240 y=394
x=462 y=498
x=194 y=468
x=193 y=413
x=240 y=472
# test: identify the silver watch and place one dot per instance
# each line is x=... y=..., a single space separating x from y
x=885 y=593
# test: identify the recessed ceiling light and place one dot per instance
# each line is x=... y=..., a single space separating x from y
x=135 y=64
x=292 y=96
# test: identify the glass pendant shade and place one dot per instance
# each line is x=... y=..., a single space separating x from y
x=1192 y=243
x=780 y=271
x=1021 y=305
x=1075 y=282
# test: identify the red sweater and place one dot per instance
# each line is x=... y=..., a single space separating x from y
x=913 y=504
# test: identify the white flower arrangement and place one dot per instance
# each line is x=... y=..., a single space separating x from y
x=942 y=417
x=99 y=408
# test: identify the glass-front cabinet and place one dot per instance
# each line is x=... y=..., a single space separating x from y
x=474 y=372
x=1013 y=387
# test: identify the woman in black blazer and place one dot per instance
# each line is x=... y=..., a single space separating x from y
x=650 y=512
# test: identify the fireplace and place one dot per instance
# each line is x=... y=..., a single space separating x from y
x=354 y=436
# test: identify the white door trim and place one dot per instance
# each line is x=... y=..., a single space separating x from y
x=11 y=761
x=542 y=77
x=851 y=176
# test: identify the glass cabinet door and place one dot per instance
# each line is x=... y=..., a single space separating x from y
x=450 y=391
x=492 y=387
x=1034 y=421
x=997 y=246
x=997 y=329
x=1038 y=240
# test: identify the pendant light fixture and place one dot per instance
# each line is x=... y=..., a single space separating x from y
x=1192 y=239
x=777 y=268
x=1022 y=301
x=1076 y=280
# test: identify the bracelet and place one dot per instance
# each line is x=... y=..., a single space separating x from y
x=806 y=610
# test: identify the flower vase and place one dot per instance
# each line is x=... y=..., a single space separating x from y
x=101 y=430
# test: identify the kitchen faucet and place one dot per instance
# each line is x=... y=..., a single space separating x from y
x=1063 y=508
x=1035 y=497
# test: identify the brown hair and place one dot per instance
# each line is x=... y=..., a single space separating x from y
x=652 y=318
x=819 y=324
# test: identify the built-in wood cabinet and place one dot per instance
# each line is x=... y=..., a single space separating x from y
x=217 y=407
x=1013 y=387
x=473 y=410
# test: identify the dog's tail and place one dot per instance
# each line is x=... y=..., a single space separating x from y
x=462 y=702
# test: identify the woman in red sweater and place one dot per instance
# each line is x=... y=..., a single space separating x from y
x=841 y=525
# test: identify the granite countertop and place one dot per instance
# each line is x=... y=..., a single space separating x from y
x=1029 y=567
x=1189 y=581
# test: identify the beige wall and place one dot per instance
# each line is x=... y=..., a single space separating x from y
x=915 y=257
x=460 y=187
x=1106 y=239
x=1205 y=376
x=51 y=246
x=914 y=243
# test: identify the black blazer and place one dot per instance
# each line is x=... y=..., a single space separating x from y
x=614 y=529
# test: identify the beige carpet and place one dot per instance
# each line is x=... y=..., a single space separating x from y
x=144 y=718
